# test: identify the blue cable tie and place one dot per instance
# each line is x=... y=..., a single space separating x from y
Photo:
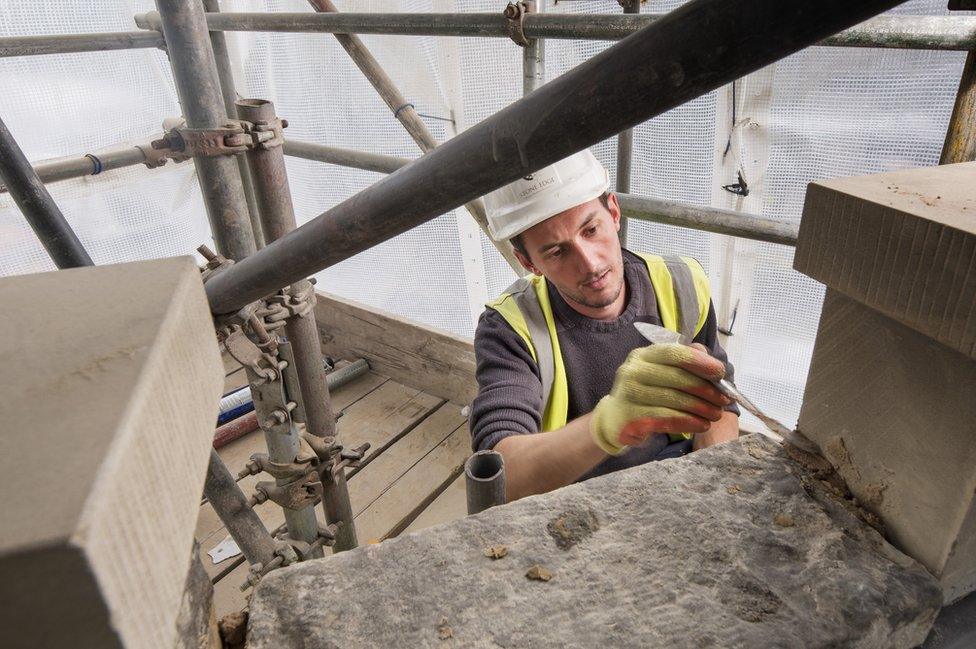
x=396 y=113
x=95 y=161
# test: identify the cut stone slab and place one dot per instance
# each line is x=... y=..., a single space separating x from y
x=109 y=395
x=894 y=412
x=680 y=553
x=889 y=397
x=902 y=243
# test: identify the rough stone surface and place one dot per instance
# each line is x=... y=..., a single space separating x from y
x=663 y=555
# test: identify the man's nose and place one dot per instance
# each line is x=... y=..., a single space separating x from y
x=589 y=258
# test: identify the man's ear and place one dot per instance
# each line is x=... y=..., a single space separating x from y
x=614 y=206
x=526 y=263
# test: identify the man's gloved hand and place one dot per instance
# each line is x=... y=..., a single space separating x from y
x=664 y=388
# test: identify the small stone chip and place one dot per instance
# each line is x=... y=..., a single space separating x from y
x=756 y=453
x=539 y=573
x=733 y=489
x=496 y=551
x=784 y=520
x=443 y=630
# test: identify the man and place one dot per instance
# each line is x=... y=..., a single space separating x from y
x=568 y=388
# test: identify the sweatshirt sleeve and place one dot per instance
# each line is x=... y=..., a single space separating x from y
x=509 y=400
x=708 y=336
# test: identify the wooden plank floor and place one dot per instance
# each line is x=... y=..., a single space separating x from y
x=418 y=442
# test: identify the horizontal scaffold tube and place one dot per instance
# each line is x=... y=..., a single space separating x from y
x=709 y=219
x=700 y=46
x=903 y=32
x=51 y=171
x=71 y=43
x=697 y=217
x=345 y=157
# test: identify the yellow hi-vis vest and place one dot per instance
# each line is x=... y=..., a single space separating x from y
x=683 y=298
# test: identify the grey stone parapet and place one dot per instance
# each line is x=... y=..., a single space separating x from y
x=733 y=546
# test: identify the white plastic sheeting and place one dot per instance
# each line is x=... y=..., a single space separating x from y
x=821 y=113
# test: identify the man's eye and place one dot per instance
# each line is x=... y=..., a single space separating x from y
x=554 y=253
x=591 y=230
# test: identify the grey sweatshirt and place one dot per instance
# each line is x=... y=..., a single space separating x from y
x=509 y=400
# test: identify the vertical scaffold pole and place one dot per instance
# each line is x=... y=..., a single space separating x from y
x=226 y=75
x=625 y=142
x=197 y=84
x=534 y=56
x=267 y=167
x=195 y=73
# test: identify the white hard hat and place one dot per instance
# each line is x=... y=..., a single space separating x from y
x=518 y=206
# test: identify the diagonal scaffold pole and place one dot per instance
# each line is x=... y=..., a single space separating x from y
x=407 y=115
x=37 y=205
x=700 y=46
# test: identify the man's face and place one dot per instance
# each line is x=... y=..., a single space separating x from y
x=579 y=252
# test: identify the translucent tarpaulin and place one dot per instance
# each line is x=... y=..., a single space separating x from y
x=821 y=113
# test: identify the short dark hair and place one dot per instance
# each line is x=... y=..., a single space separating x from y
x=519 y=245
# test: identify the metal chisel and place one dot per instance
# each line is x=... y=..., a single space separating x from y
x=656 y=334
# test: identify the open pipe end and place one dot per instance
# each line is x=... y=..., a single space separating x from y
x=484 y=474
x=484 y=466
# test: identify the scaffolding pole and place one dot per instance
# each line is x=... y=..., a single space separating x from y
x=696 y=48
x=241 y=521
x=407 y=115
x=625 y=141
x=195 y=72
x=226 y=75
x=534 y=55
x=35 y=202
x=898 y=32
x=266 y=163
x=709 y=219
x=960 y=142
x=74 y=43
x=696 y=217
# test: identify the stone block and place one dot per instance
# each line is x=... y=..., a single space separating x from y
x=734 y=546
x=902 y=243
x=890 y=393
x=109 y=395
x=895 y=413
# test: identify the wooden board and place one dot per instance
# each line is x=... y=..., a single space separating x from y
x=379 y=411
x=422 y=478
x=451 y=505
x=435 y=361
x=383 y=473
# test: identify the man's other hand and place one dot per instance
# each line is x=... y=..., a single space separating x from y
x=664 y=388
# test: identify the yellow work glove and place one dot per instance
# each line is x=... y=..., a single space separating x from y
x=664 y=388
